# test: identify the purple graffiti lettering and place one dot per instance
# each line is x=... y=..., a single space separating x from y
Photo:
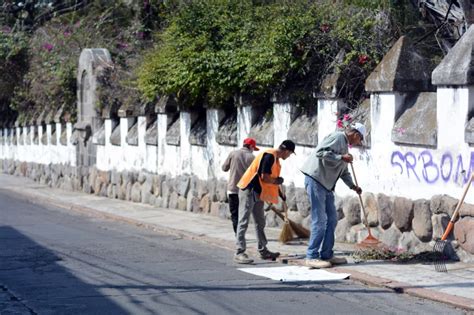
x=428 y=163
x=401 y=157
x=460 y=170
x=446 y=156
x=411 y=166
x=471 y=167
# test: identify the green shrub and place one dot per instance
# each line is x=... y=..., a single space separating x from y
x=215 y=49
x=13 y=65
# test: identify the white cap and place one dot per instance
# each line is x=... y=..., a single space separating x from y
x=360 y=128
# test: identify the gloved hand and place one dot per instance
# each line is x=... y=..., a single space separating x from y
x=278 y=181
x=357 y=189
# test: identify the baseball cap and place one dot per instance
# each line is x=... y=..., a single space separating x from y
x=360 y=128
x=288 y=145
x=252 y=143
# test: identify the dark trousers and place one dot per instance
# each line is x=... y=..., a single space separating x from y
x=234 y=210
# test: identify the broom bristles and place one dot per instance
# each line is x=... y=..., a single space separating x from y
x=286 y=234
x=299 y=230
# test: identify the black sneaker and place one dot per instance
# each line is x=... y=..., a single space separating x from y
x=266 y=254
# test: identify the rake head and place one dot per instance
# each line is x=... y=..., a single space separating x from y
x=370 y=241
x=440 y=247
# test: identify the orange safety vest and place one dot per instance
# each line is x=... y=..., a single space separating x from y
x=269 y=191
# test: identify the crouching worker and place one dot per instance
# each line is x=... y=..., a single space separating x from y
x=260 y=183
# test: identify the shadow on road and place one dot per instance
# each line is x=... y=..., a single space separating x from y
x=32 y=275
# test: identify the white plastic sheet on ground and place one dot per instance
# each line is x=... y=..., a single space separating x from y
x=296 y=273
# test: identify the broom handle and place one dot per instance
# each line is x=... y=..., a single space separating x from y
x=450 y=226
x=285 y=206
x=366 y=222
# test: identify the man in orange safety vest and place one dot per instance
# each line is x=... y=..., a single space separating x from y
x=260 y=183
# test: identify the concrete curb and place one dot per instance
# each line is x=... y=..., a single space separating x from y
x=397 y=287
x=400 y=287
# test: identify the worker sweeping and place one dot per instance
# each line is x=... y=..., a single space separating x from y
x=322 y=169
x=260 y=183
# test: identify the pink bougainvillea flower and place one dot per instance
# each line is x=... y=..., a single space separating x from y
x=347 y=117
x=339 y=124
x=363 y=59
x=48 y=46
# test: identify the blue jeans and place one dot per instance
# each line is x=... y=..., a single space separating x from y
x=323 y=220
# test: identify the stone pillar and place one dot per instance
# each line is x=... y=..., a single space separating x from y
x=40 y=134
x=281 y=120
x=244 y=122
x=92 y=63
x=141 y=126
x=327 y=118
x=18 y=136
x=71 y=147
x=213 y=117
x=108 y=127
x=125 y=124
x=402 y=74
x=48 y=133
x=59 y=131
x=162 y=121
x=25 y=134
x=185 y=145
x=32 y=134
x=455 y=96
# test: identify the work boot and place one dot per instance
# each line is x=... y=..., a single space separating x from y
x=242 y=258
x=266 y=254
x=337 y=260
x=317 y=263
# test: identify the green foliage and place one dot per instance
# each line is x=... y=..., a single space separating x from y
x=12 y=44
x=13 y=51
x=215 y=49
x=50 y=83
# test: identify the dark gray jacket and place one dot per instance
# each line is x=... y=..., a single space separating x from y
x=237 y=163
x=325 y=164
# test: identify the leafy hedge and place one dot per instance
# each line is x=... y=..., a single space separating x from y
x=215 y=49
x=206 y=51
x=13 y=53
x=54 y=49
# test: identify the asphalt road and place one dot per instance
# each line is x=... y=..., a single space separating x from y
x=56 y=262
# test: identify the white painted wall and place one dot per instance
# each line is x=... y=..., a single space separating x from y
x=40 y=153
x=413 y=172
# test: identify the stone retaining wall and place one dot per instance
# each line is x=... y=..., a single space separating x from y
x=398 y=222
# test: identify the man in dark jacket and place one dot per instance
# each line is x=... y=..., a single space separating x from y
x=237 y=163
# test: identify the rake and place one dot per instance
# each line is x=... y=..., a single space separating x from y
x=370 y=241
x=440 y=245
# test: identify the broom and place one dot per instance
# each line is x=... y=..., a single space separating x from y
x=440 y=245
x=286 y=233
x=299 y=230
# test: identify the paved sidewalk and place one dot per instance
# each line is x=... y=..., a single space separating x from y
x=456 y=287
